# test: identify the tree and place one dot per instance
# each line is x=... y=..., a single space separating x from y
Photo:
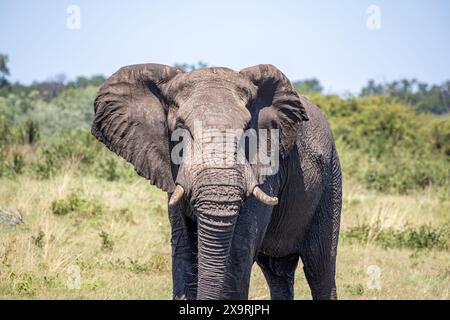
x=423 y=97
x=4 y=71
x=51 y=88
x=308 y=86
x=83 y=82
x=191 y=67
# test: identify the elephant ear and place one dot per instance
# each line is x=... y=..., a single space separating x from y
x=131 y=120
x=276 y=104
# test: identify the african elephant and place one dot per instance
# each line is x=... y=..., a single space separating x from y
x=225 y=217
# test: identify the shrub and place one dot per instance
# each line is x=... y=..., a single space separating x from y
x=384 y=144
x=38 y=240
x=157 y=263
x=24 y=283
x=355 y=290
x=78 y=146
x=402 y=172
x=137 y=267
x=424 y=237
x=113 y=168
x=46 y=167
x=125 y=214
x=18 y=163
x=109 y=170
x=392 y=149
x=107 y=243
x=79 y=204
x=31 y=131
x=5 y=130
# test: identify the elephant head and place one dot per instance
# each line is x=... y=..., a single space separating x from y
x=140 y=106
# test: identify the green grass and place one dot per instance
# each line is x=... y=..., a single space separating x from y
x=121 y=245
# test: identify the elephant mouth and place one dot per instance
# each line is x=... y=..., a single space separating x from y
x=257 y=193
x=222 y=186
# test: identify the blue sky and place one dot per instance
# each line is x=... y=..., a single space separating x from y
x=324 y=39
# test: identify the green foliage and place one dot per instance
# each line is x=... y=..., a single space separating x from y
x=4 y=70
x=126 y=214
x=107 y=243
x=109 y=170
x=354 y=290
x=24 y=283
x=21 y=133
x=424 y=237
x=137 y=267
x=77 y=203
x=84 y=82
x=38 y=240
x=402 y=172
x=191 y=67
x=113 y=168
x=382 y=141
x=386 y=145
x=71 y=108
x=424 y=98
x=11 y=165
x=308 y=86
x=18 y=163
x=157 y=263
x=77 y=146
x=31 y=131
x=3 y=165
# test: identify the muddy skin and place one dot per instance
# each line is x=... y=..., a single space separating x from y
x=220 y=225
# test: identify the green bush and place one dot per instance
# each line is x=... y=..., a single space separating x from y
x=31 y=131
x=402 y=172
x=24 y=283
x=107 y=243
x=18 y=163
x=109 y=170
x=424 y=237
x=383 y=144
x=38 y=240
x=71 y=145
x=5 y=130
x=355 y=290
x=46 y=167
x=386 y=145
x=156 y=263
x=113 y=168
x=79 y=204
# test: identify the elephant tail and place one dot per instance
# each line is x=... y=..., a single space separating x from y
x=336 y=196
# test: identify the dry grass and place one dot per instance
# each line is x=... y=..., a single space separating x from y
x=132 y=258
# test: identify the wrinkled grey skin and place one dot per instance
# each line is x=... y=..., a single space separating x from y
x=219 y=229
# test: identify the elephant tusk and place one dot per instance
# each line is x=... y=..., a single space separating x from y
x=176 y=196
x=264 y=198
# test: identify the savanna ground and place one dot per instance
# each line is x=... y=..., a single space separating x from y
x=85 y=210
x=119 y=238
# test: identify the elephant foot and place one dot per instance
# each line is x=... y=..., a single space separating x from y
x=185 y=295
x=180 y=296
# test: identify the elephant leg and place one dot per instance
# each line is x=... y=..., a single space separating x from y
x=319 y=264
x=279 y=273
x=318 y=251
x=184 y=256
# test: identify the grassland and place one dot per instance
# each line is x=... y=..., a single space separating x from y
x=118 y=236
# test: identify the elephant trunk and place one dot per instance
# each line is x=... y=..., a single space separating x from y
x=217 y=204
x=214 y=242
